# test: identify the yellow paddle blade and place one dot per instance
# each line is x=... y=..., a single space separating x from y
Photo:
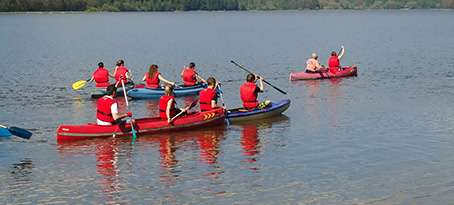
x=79 y=84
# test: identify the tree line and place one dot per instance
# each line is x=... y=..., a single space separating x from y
x=213 y=5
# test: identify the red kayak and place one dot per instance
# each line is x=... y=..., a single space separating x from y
x=346 y=71
x=141 y=126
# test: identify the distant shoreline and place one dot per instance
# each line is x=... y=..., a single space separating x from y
x=75 y=12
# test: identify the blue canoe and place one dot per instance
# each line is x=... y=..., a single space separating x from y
x=101 y=91
x=240 y=114
x=180 y=90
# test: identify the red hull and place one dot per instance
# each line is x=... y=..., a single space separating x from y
x=141 y=126
x=347 y=71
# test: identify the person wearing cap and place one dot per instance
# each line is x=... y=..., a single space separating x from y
x=312 y=64
x=333 y=62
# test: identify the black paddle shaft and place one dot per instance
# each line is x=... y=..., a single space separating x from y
x=278 y=89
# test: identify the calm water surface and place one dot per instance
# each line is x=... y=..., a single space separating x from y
x=383 y=137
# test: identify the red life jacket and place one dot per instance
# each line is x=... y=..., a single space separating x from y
x=153 y=82
x=101 y=77
x=104 y=113
x=163 y=106
x=188 y=77
x=333 y=63
x=248 y=95
x=121 y=71
x=205 y=96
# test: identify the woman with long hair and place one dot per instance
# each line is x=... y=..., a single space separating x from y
x=153 y=77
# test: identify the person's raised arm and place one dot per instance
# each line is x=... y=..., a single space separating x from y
x=184 y=68
x=261 y=84
x=342 y=53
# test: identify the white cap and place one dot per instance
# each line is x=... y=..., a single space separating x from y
x=314 y=55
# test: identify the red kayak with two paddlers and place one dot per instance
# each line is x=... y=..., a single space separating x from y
x=344 y=72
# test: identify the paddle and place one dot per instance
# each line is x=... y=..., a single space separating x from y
x=127 y=105
x=18 y=132
x=278 y=89
x=222 y=99
x=79 y=84
x=184 y=110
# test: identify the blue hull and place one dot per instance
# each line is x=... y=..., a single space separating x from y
x=101 y=91
x=238 y=115
x=147 y=93
x=4 y=132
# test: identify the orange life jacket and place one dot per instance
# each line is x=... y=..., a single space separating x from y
x=206 y=96
x=104 y=113
x=249 y=95
x=163 y=106
x=188 y=77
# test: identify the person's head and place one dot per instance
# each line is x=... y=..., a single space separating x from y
x=333 y=53
x=111 y=90
x=101 y=64
x=192 y=65
x=314 y=56
x=250 y=78
x=211 y=81
x=153 y=69
x=120 y=63
x=169 y=89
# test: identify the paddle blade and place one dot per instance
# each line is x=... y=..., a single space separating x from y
x=193 y=104
x=79 y=84
x=20 y=132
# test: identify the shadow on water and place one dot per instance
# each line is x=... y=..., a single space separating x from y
x=21 y=171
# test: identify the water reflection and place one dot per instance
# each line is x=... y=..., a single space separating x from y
x=208 y=147
x=21 y=171
x=250 y=142
x=152 y=108
x=252 y=147
x=111 y=158
x=187 y=100
x=168 y=159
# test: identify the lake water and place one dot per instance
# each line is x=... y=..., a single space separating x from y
x=383 y=137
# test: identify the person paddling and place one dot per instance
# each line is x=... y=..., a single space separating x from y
x=333 y=61
x=121 y=73
x=107 y=113
x=190 y=76
x=101 y=76
x=167 y=103
x=153 y=77
x=209 y=96
x=249 y=93
x=312 y=64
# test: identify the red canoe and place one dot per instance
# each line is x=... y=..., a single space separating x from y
x=346 y=71
x=141 y=126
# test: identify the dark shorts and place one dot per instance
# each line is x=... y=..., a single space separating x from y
x=309 y=71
